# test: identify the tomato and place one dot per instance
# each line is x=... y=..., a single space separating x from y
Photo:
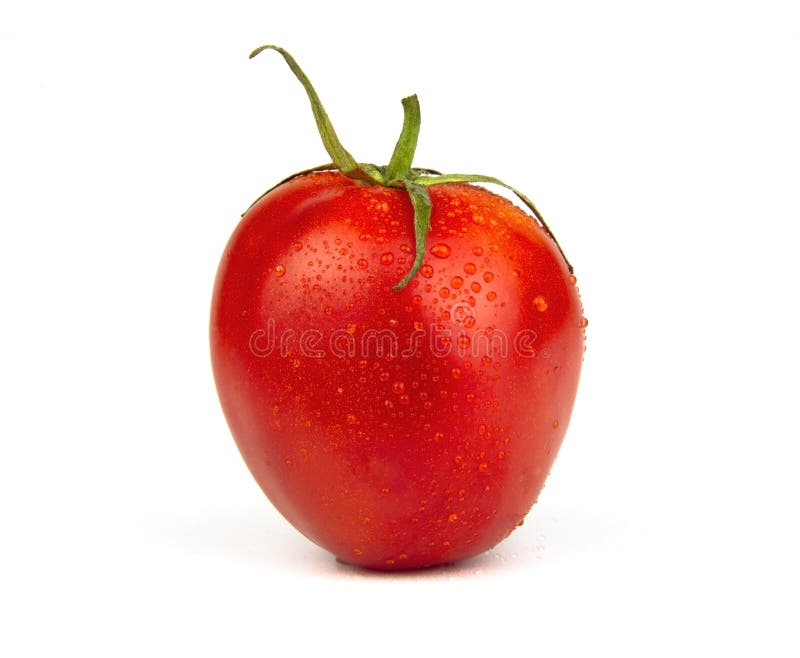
x=397 y=427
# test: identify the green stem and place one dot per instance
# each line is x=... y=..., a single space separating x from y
x=398 y=173
x=345 y=162
x=421 y=201
x=427 y=181
x=400 y=164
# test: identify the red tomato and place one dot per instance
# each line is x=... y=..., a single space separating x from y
x=395 y=428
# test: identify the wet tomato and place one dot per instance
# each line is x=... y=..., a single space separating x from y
x=397 y=425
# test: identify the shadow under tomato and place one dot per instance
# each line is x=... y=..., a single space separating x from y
x=262 y=538
x=471 y=566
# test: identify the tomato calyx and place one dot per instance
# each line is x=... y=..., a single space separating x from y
x=399 y=173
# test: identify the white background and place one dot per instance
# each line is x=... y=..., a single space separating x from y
x=660 y=140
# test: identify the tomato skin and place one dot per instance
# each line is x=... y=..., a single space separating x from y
x=413 y=459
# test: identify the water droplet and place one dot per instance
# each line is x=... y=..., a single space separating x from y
x=478 y=251
x=555 y=423
x=444 y=293
x=440 y=250
x=297 y=246
x=463 y=342
x=351 y=419
x=404 y=399
x=475 y=286
x=384 y=376
x=452 y=518
x=573 y=279
x=456 y=282
x=406 y=249
x=362 y=263
x=364 y=237
x=479 y=219
x=351 y=328
x=540 y=303
x=469 y=322
x=398 y=387
x=470 y=268
x=426 y=271
x=388 y=404
x=280 y=270
x=583 y=323
x=488 y=276
x=387 y=258
x=456 y=372
x=491 y=295
x=418 y=326
x=343 y=251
